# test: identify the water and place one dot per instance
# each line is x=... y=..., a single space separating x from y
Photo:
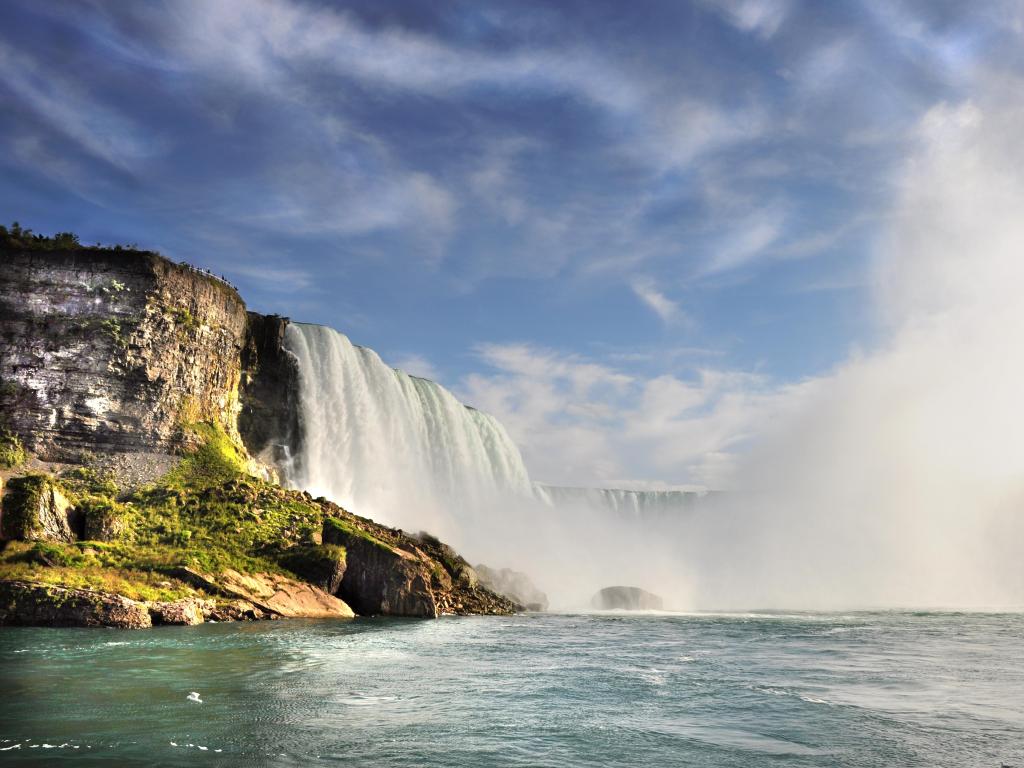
x=393 y=447
x=871 y=689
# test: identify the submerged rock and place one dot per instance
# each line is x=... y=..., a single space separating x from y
x=514 y=585
x=30 y=604
x=626 y=598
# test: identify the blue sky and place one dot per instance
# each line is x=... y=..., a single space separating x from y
x=572 y=214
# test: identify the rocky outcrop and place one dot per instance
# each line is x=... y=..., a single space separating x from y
x=322 y=565
x=113 y=350
x=187 y=612
x=391 y=573
x=271 y=593
x=514 y=585
x=33 y=508
x=29 y=604
x=626 y=599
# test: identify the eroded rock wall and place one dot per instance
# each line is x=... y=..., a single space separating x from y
x=112 y=351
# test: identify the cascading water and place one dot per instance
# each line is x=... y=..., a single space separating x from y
x=391 y=446
x=648 y=506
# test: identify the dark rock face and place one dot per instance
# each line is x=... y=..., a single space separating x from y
x=381 y=579
x=391 y=573
x=269 y=418
x=626 y=598
x=27 y=604
x=33 y=509
x=514 y=585
x=111 y=351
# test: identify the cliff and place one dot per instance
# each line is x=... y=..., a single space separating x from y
x=111 y=350
x=107 y=355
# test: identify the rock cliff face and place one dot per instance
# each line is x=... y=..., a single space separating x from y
x=269 y=417
x=108 y=351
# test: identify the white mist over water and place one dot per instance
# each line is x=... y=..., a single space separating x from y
x=896 y=480
x=899 y=481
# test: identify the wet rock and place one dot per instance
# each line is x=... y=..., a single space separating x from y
x=514 y=585
x=25 y=603
x=235 y=610
x=626 y=598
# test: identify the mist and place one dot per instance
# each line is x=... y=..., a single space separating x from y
x=897 y=480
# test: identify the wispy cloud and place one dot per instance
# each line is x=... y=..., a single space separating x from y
x=760 y=17
x=647 y=291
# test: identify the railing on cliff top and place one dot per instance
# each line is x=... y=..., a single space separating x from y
x=208 y=273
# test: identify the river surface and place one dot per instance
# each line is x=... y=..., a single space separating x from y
x=859 y=689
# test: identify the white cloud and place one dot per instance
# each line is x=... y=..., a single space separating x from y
x=760 y=17
x=581 y=422
x=666 y=309
x=750 y=239
x=66 y=107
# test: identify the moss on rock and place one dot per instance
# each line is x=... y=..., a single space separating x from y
x=12 y=452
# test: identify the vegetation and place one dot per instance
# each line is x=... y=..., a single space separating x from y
x=12 y=452
x=207 y=514
x=17 y=238
x=22 y=498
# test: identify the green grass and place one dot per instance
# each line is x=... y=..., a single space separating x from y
x=12 y=452
x=207 y=513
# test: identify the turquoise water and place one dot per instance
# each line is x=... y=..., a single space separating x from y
x=873 y=689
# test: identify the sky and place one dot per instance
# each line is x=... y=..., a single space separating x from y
x=638 y=233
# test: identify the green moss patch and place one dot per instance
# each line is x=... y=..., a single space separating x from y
x=22 y=501
x=12 y=452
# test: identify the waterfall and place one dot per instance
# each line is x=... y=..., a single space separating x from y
x=647 y=506
x=394 y=447
x=404 y=451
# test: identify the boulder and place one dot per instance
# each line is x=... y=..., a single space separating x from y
x=35 y=509
x=236 y=610
x=627 y=599
x=514 y=585
x=187 y=612
x=30 y=604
